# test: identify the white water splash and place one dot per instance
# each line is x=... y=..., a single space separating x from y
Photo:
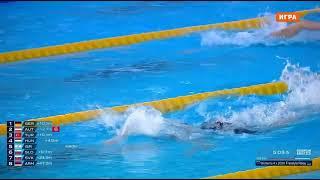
x=255 y=37
x=144 y=120
x=302 y=100
x=136 y=120
x=304 y=85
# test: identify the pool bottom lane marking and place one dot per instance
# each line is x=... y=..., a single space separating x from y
x=165 y=105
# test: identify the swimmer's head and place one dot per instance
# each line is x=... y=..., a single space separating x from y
x=217 y=125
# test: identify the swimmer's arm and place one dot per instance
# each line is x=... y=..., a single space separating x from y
x=310 y=25
x=288 y=31
x=295 y=28
x=117 y=139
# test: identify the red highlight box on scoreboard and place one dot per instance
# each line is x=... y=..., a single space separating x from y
x=55 y=128
x=18 y=135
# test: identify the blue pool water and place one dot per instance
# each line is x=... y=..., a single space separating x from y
x=154 y=70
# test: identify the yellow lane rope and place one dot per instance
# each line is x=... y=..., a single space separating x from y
x=165 y=105
x=270 y=172
x=14 y=56
x=68 y=48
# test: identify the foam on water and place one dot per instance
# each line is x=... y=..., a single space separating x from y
x=302 y=100
x=136 y=120
x=255 y=37
x=142 y=120
x=145 y=120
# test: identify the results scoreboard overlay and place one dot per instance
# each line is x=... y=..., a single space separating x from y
x=28 y=142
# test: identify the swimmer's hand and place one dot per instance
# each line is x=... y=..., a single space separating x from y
x=289 y=31
x=117 y=139
x=295 y=28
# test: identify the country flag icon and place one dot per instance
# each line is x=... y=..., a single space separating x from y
x=18 y=163
x=18 y=152
x=17 y=124
x=17 y=136
x=18 y=158
x=17 y=146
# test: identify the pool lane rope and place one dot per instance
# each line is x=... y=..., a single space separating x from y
x=271 y=172
x=82 y=46
x=165 y=105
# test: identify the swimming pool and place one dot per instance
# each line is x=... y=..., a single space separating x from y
x=154 y=70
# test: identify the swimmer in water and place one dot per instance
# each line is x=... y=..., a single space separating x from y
x=294 y=29
x=183 y=131
x=219 y=125
x=180 y=130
